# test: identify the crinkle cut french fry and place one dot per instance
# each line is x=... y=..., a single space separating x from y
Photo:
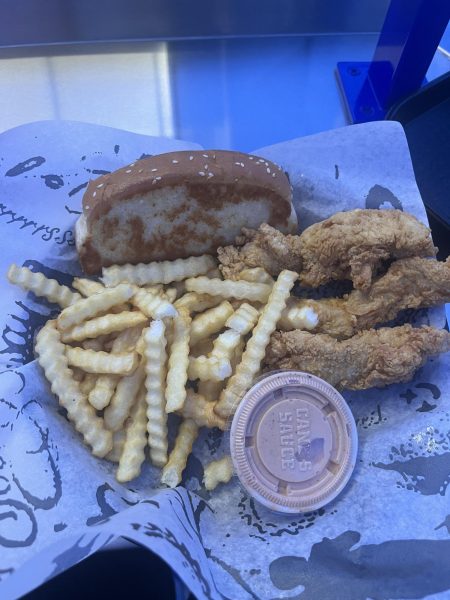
x=103 y=325
x=243 y=319
x=87 y=287
x=102 y=362
x=88 y=383
x=178 y=363
x=225 y=344
x=101 y=394
x=298 y=315
x=210 y=390
x=209 y=322
x=218 y=471
x=158 y=272
x=208 y=368
x=123 y=400
x=247 y=369
x=196 y=303
x=256 y=275
x=155 y=367
x=51 y=357
x=153 y=305
x=173 y=470
x=197 y=408
x=242 y=290
x=86 y=308
x=133 y=454
x=41 y=286
x=117 y=447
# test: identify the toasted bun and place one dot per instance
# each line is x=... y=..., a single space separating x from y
x=179 y=204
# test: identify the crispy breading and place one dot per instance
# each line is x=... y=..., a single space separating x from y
x=348 y=245
x=373 y=358
x=408 y=283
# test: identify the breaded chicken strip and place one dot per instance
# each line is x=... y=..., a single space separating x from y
x=408 y=283
x=353 y=244
x=369 y=359
x=348 y=245
x=267 y=247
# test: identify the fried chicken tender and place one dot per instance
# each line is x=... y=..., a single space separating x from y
x=353 y=244
x=348 y=245
x=267 y=247
x=408 y=283
x=373 y=358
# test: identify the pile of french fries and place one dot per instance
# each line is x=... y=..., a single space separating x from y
x=153 y=339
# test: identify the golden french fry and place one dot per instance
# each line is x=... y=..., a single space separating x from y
x=196 y=303
x=218 y=471
x=171 y=294
x=258 y=292
x=197 y=408
x=298 y=315
x=173 y=470
x=256 y=275
x=158 y=272
x=51 y=357
x=210 y=390
x=123 y=400
x=243 y=319
x=41 y=286
x=86 y=308
x=102 y=362
x=206 y=369
x=178 y=362
x=155 y=368
x=133 y=454
x=87 y=287
x=225 y=344
x=101 y=394
x=247 y=369
x=117 y=446
x=209 y=322
x=88 y=383
x=153 y=305
x=103 y=325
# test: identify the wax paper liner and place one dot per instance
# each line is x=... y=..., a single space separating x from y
x=386 y=536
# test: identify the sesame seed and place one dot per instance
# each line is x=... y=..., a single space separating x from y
x=191 y=158
x=250 y=157
x=268 y=170
x=128 y=171
x=153 y=170
x=158 y=178
x=205 y=155
x=87 y=206
x=210 y=174
x=205 y=167
x=100 y=185
x=267 y=164
x=132 y=164
x=94 y=194
x=175 y=162
x=261 y=160
x=274 y=174
x=202 y=173
x=140 y=170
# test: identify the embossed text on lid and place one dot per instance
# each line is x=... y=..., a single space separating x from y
x=293 y=442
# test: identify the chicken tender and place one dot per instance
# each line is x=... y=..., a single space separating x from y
x=373 y=358
x=267 y=248
x=348 y=245
x=409 y=283
x=353 y=245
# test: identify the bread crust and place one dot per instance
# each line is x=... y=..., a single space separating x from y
x=179 y=204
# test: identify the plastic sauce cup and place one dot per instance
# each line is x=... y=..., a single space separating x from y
x=293 y=442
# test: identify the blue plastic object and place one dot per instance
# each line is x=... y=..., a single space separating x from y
x=408 y=40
